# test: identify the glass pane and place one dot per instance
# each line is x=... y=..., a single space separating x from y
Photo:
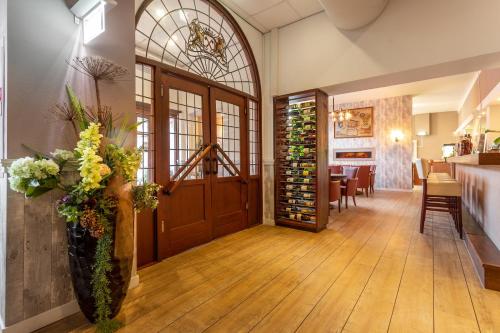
x=253 y=138
x=228 y=122
x=145 y=117
x=186 y=130
x=167 y=32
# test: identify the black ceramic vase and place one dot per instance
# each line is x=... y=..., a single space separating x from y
x=81 y=252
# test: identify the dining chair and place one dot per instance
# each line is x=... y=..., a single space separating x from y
x=335 y=194
x=335 y=169
x=364 y=178
x=373 y=169
x=348 y=189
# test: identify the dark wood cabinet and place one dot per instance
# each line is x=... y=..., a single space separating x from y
x=301 y=160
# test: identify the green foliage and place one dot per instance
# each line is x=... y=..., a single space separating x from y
x=119 y=133
x=145 y=196
x=497 y=141
x=125 y=161
x=106 y=209
x=78 y=109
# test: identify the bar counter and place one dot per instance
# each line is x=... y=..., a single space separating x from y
x=480 y=178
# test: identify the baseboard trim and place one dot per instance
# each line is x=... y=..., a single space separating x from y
x=134 y=282
x=268 y=221
x=43 y=319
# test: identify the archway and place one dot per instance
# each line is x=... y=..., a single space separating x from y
x=198 y=99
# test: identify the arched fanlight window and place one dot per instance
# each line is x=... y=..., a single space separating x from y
x=196 y=36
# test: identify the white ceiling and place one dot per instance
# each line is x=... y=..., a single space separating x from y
x=429 y=96
x=268 y=14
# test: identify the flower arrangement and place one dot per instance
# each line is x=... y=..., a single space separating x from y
x=101 y=166
x=145 y=196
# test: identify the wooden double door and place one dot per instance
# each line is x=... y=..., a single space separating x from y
x=203 y=158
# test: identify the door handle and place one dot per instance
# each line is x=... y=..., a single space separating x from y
x=207 y=166
x=215 y=166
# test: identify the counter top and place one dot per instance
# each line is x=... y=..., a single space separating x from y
x=476 y=159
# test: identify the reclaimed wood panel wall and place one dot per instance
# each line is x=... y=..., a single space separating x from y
x=37 y=275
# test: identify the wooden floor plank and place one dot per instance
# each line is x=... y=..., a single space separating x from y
x=362 y=252
x=415 y=299
x=253 y=309
x=162 y=311
x=486 y=302
x=333 y=310
x=453 y=309
x=374 y=308
x=370 y=271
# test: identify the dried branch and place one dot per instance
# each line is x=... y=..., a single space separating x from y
x=98 y=68
x=66 y=113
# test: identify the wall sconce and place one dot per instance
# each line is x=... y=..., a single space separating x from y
x=422 y=133
x=397 y=135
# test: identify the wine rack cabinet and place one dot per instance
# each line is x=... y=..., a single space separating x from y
x=301 y=160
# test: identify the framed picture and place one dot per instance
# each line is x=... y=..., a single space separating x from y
x=359 y=126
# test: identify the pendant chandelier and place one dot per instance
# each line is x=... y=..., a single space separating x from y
x=341 y=116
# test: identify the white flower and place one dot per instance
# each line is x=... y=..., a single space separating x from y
x=63 y=154
x=21 y=167
x=15 y=184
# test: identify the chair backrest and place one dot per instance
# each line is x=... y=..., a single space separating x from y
x=351 y=172
x=334 y=190
x=422 y=166
x=441 y=167
x=351 y=186
x=363 y=176
x=335 y=169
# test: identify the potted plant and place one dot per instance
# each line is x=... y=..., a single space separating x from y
x=97 y=178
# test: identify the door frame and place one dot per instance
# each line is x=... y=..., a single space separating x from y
x=160 y=69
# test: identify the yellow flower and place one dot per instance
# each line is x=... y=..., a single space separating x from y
x=90 y=170
x=89 y=138
x=104 y=170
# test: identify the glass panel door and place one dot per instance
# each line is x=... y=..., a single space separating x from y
x=228 y=137
x=185 y=130
x=229 y=181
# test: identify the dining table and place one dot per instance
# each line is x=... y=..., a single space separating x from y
x=337 y=176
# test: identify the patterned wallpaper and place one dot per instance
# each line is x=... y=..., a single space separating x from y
x=393 y=159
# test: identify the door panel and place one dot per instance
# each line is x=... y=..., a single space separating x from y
x=184 y=218
x=254 y=212
x=229 y=191
x=212 y=199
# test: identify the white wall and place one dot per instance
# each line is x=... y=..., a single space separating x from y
x=408 y=35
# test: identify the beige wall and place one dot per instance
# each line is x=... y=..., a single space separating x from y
x=314 y=53
x=393 y=159
x=442 y=126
